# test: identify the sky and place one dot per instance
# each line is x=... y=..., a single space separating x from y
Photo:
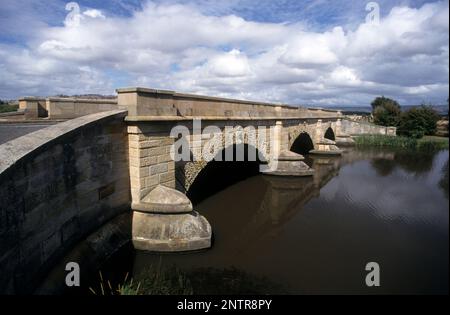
x=311 y=52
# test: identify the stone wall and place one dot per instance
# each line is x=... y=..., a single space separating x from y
x=57 y=185
x=442 y=128
x=64 y=108
x=67 y=108
x=33 y=107
x=143 y=102
x=359 y=128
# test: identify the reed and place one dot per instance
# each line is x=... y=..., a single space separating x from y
x=425 y=144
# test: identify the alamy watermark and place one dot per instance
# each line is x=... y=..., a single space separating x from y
x=373 y=18
x=73 y=275
x=373 y=277
x=74 y=16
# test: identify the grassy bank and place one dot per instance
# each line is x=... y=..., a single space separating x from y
x=8 y=108
x=160 y=280
x=425 y=143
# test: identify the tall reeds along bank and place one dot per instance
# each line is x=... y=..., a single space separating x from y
x=425 y=143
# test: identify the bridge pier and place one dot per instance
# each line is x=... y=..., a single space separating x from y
x=164 y=221
x=285 y=162
x=342 y=138
x=326 y=147
x=289 y=164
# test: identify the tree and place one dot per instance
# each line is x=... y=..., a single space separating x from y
x=418 y=121
x=386 y=111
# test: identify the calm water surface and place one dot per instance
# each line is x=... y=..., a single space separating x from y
x=316 y=235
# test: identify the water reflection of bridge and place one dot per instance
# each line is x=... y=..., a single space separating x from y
x=282 y=198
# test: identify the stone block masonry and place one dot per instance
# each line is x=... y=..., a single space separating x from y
x=64 y=108
x=149 y=158
x=58 y=185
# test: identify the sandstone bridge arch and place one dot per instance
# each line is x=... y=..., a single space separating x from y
x=207 y=178
x=302 y=144
x=235 y=153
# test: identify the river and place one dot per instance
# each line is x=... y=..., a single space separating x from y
x=315 y=235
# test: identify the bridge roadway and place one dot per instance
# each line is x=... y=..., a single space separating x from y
x=15 y=130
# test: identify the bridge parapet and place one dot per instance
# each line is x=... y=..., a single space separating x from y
x=351 y=127
x=152 y=104
x=63 y=107
x=57 y=185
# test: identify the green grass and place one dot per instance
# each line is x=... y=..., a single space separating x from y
x=8 y=108
x=154 y=280
x=158 y=279
x=426 y=143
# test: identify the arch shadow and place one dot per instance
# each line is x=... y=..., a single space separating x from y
x=329 y=134
x=302 y=144
x=219 y=173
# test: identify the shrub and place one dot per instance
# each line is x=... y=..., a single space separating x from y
x=386 y=111
x=418 y=121
x=5 y=108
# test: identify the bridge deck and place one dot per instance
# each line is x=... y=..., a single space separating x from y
x=9 y=132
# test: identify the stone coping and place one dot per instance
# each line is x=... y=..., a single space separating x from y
x=364 y=122
x=33 y=143
x=200 y=97
x=32 y=98
x=328 y=110
x=70 y=100
x=217 y=118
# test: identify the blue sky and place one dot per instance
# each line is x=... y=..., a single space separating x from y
x=312 y=52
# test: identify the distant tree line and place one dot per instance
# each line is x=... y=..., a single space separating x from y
x=414 y=122
x=8 y=106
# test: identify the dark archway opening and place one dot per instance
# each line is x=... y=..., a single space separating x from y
x=303 y=144
x=329 y=134
x=217 y=175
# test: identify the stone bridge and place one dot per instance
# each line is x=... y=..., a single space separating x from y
x=62 y=183
x=228 y=131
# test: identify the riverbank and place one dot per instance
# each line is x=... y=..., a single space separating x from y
x=7 y=108
x=426 y=143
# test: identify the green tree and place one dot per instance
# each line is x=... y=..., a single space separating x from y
x=418 y=121
x=386 y=111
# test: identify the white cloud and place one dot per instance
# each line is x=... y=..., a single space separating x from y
x=231 y=64
x=94 y=13
x=179 y=47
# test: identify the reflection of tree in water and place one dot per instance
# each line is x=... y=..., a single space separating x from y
x=443 y=183
x=383 y=167
x=417 y=161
